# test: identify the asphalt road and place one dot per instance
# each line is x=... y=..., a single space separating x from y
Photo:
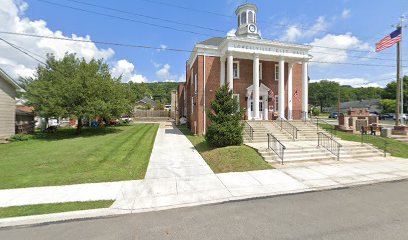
x=370 y=212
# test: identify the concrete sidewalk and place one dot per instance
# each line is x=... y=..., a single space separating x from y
x=178 y=176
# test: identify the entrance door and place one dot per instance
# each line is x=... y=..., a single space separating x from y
x=261 y=108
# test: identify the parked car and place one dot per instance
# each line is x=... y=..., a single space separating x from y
x=333 y=115
x=114 y=122
x=386 y=116
x=404 y=116
x=374 y=113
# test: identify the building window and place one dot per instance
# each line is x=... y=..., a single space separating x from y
x=195 y=82
x=243 y=18
x=275 y=106
x=192 y=104
x=235 y=70
x=260 y=71
x=192 y=78
x=260 y=106
x=251 y=17
x=236 y=97
x=276 y=72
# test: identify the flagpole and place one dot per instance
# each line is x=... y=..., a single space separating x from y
x=397 y=109
x=400 y=73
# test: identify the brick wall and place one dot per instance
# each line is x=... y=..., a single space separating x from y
x=213 y=69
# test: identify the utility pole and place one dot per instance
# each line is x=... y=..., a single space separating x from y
x=397 y=108
x=400 y=92
x=401 y=78
x=338 y=104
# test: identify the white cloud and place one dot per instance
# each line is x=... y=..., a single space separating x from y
x=127 y=71
x=296 y=31
x=13 y=19
x=164 y=74
x=182 y=78
x=354 y=82
x=333 y=48
x=346 y=13
x=231 y=33
x=162 y=48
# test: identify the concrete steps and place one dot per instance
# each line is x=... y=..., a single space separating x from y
x=304 y=148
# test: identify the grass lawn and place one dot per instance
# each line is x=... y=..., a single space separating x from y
x=28 y=210
x=394 y=147
x=97 y=155
x=227 y=159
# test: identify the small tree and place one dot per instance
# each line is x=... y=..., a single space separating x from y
x=225 y=116
x=73 y=87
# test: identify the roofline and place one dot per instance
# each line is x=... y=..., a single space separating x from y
x=9 y=79
x=249 y=5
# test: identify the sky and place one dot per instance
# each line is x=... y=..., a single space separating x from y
x=343 y=31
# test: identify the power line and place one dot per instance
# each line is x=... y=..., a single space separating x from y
x=146 y=16
x=357 y=57
x=233 y=16
x=167 y=49
x=176 y=29
x=22 y=51
x=124 y=18
x=189 y=8
x=354 y=64
x=98 y=42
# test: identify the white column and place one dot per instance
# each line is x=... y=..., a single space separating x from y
x=305 y=89
x=290 y=91
x=230 y=76
x=249 y=107
x=222 y=77
x=281 y=89
x=266 y=108
x=255 y=81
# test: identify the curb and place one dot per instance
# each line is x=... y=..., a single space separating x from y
x=38 y=220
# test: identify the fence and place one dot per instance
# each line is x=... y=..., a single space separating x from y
x=153 y=114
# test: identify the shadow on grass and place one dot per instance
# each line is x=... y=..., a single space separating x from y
x=70 y=133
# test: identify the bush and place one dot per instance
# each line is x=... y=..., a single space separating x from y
x=20 y=137
x=226 y=127
x=316 y=111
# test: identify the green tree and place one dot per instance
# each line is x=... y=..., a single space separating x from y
x=226 y=127
x=323 y=93
x=390 y=91
x=73 y=87
x=388 y=105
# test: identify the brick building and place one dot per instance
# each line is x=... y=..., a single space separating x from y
x=269 y=78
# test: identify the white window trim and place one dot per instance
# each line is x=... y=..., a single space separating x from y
x=237 y=95
x=237 y=62
x=195 y=83
x=260 y=71
x=192 y=104
x=276 y=72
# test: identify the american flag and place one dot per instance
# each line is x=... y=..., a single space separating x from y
x=389 y=40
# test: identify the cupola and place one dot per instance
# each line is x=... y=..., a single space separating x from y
x=247 y=27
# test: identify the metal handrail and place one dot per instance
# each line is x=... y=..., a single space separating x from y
x=276 y=146
x=318 y=120
x=251 y=130
x=288 y=127
x=329 y=144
